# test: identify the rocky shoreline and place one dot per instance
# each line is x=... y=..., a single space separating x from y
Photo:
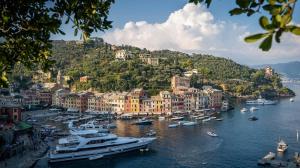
x=26 y=159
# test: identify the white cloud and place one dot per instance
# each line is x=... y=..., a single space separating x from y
x=193 y=29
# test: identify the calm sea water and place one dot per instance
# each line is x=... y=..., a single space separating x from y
x=240 y=143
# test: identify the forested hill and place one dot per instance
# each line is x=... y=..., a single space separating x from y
x=96 y=59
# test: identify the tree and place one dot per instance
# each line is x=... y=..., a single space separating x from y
x=26 y=27
x=279 y=21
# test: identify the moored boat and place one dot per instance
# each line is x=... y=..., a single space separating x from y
x=212 y=134
x=143 y=121
x=190 y=123
x=161 y=118
x=252 y=118
x=207 y=119
x=177 y=118
x=151 y=133
x=261 y=101
x=244 y=109
x=269 y=156
x=291 y=100
x=254 y=108
x=95 y=146
x=282 y=146
x=173 y=125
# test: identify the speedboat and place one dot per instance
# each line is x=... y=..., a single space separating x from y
x=212 y=134
x=95 y=146
x=190 y=123
x=111 y=125
x=173 y=125
x=244 y=109
x=219 y=119
x=151 y=133
x=254 y=108
x=143 y=121
x=161 y=118
x=182 y=122
x=177 y=118
x=291 y=100
x=91 y=125
x=261 y=101
x=252 y=118
x=282 y=146
x=269 y=156
x=207 y=119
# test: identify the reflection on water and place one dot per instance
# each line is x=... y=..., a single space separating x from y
x=240 y=143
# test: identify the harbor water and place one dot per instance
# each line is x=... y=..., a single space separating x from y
x=240 y=142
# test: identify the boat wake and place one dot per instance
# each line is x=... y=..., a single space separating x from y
x=213 y=145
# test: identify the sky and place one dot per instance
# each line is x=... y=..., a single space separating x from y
x=179 y=26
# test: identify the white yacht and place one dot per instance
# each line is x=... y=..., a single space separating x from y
x=212 y=134
x=269 y=156
x=161 y=118
x=254 y=108
x=177 y=118
x=282 y=146
x=173 y=125
x=261 y=101
x=91 y=125
x=189 y=123
x=143 y=121
x=244 y=110
x=207 y=119
x=95 y=145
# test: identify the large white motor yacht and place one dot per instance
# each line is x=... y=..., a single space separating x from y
x=261 y=101
x=95 y=145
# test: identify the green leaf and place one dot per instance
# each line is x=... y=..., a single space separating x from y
x=264 y=22
x=243 y=3
x=285 y=20
x=266 y=44
x=250 y=12
x=236 y=11
x=278 y=18
x=75 y=32
x=5 y=18
x=278 y=35
x=61 y=32
x=255 y=37
x=295 y=30
x=208 y=2
x=276 y=9
x=272 y=2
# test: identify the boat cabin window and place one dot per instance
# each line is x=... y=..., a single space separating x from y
x=98 y=141
x=70 y=144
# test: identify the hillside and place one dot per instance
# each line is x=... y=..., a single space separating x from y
x=96 y=59
x=290 y=69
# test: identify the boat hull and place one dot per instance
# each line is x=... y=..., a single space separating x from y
x=143 y=123
x=60 y=157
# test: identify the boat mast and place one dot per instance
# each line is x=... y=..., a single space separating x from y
x=297 y=136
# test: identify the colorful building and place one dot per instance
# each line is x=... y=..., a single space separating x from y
x=11 y=112
x=180 y=82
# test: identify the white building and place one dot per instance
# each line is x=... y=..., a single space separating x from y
x=123 y=54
